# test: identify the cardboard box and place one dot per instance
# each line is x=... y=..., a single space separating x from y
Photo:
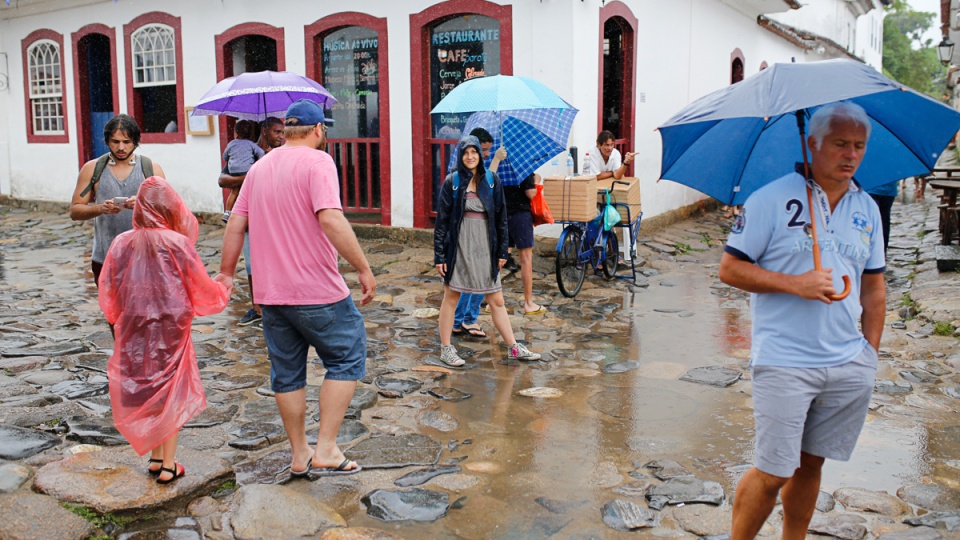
x=626 y=194
x=571 y=199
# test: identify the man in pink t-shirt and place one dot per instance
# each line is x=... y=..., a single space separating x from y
x=290 y=200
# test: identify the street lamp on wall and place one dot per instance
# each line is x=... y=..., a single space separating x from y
x=945 y=51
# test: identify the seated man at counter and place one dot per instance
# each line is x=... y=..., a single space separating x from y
x=605 y=160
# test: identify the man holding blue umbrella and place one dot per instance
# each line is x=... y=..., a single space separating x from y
x=813 y=369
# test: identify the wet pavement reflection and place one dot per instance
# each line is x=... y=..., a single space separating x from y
x=641 y=403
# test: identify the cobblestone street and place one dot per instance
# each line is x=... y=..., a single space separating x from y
x=638 y=417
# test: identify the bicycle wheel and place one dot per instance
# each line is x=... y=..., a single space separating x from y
x=570 y=270
x=611 y=255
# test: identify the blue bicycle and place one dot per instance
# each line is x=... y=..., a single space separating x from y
x=582 y=245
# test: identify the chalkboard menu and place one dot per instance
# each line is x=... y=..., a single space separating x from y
x=460 y=49
x=350 y=72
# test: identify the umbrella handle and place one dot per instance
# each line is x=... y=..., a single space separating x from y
x=816 y=250
x=844 y=293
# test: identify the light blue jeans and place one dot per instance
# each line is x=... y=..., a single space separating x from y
x=468 y=310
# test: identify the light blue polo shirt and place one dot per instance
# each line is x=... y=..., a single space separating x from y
x=788 y=330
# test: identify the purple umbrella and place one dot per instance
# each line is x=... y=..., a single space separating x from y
x=257 y=95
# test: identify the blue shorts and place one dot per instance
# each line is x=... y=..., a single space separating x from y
x=520 y=229
x=819 y=411
x=335 y=331
x=246 y=253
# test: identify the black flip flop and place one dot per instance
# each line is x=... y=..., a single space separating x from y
x=335 y=471
x=475 y=332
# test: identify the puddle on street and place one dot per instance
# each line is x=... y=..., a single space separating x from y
x=579 y=448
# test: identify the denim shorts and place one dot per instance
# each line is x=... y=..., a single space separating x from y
x=335 y=331
x=819 y=411
x=520 y=229
x=246 y=254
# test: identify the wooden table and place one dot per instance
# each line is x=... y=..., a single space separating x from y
x=947 y=172
x=949 y=218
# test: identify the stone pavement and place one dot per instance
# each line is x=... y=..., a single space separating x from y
x=495 y=450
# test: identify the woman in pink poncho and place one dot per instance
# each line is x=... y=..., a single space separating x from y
x=152 y=285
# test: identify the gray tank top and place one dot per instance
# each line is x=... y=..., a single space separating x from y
x=109 y=226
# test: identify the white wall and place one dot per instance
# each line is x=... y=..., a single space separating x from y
x=870 y=38
x=683 y=52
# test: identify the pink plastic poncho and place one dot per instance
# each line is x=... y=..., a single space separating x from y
x=152 y=284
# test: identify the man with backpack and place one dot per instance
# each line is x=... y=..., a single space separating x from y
x=107 y=187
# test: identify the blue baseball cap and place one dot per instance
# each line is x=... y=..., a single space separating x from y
x=306 y=112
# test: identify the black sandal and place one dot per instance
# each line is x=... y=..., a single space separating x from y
x=177 y=471
x=152 y=461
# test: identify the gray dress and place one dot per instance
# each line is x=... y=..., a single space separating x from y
x=471 y=272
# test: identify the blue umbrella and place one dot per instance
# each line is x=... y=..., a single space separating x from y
x=531 y=137
x=731 y=142
x=499 y=93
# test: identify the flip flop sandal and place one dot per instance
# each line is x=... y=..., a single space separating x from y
x=152 y=461
x=476 y=332
x=457 y=330
x=537 y=311
x=335 y=471
x=300 y=474
x=177 y=471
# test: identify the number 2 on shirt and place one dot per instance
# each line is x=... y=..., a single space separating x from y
x=795 y=206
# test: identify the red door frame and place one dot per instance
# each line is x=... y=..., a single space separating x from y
x=315 y=69
x=81 y=81
x=629 y=80
x=420 y=24
x=222 y=46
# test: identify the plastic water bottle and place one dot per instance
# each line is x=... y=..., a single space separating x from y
x=569 y=164
x=555 y=164
x=586 y=164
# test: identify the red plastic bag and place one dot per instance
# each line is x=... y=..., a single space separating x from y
x=152 y=285
x=539 y=209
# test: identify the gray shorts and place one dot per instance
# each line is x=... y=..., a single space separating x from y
x=819 y=411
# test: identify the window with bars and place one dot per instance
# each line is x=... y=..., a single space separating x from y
x=46 y=88
x=154 y=56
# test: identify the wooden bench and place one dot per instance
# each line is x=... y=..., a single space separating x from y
x=949 y=211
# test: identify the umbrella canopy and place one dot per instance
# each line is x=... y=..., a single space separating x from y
x=499 y=93
x=260 y=94
x=531 y=137
x=735 y=140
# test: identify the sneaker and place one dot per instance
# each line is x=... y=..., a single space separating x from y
x=448 y=355
x=511 y=265
x=519 y=352
x=249 y=318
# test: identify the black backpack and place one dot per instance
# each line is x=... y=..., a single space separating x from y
x=145 y=165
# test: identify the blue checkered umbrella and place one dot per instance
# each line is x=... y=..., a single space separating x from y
x=532 y=137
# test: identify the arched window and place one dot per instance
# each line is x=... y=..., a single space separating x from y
x=736 y=66
x=154 y=56
x=155 y=75
x=43 y=82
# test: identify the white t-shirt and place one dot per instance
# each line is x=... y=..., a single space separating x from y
x=597 y=165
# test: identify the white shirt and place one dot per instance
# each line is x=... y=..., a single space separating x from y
x=597 y=165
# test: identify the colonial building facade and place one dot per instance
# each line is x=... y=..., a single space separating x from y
x=627 y=65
